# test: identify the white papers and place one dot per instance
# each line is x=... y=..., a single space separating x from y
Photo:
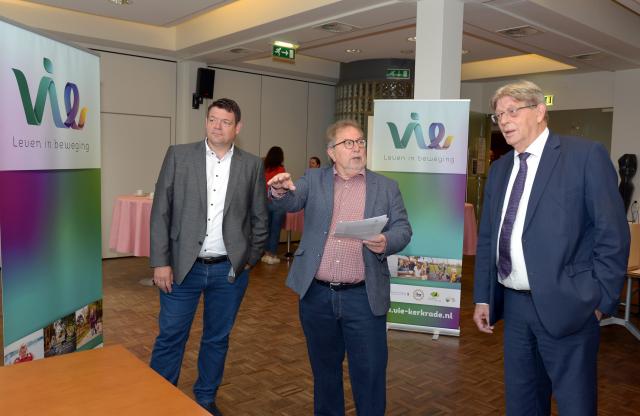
x=360 y=230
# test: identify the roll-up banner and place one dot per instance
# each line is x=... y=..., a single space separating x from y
x=49 y=196
x=422 y=144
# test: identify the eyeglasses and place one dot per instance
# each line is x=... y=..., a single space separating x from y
x=510 y=111
x=348 y=144
x=215 y=120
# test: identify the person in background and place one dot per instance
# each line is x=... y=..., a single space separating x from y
x=314 y=162
x=551 y=258
x=208 y=228
x=273 y=164
x=344 y=283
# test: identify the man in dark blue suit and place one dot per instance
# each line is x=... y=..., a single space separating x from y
x=551 y=258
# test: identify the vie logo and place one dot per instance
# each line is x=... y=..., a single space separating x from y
x=34 y=113
x=436 y=134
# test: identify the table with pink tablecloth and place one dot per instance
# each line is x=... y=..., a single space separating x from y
x=130 y=225
x=470 y=238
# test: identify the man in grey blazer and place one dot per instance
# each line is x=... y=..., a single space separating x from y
x=344 y=283
x=208 y=228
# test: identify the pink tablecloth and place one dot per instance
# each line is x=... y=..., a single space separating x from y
x=470 y=238
x=294 y=221
x=130 y=225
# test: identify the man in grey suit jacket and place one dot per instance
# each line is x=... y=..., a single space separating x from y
x=208 y=227
x=344 y=283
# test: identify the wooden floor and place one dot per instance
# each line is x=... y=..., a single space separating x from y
x=267 y=370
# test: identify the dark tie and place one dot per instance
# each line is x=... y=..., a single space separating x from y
x=504 y=249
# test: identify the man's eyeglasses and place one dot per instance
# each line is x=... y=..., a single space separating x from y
x=510 y=111
x=348 y=144
x=226 y=123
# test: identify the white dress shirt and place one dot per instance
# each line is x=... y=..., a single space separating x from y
x=217 y=180
x=518 y=278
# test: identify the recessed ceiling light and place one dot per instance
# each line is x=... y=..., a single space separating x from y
x=336 y=27
x=121 y=2
x=354 y=50
x=411 y=39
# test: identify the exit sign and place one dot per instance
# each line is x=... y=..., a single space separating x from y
x=395 y=73
x=548 y=100
x=282 y=52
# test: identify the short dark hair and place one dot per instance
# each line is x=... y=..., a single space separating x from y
x=226 y=104
x=317 y=160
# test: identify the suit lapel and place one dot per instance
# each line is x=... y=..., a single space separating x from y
x=200 y=166
x=235 y=170
x=371 y=192
x=327 y=190
x=503 y=176
x=548 y=161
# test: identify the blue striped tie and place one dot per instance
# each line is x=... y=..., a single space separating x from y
x=504 y=249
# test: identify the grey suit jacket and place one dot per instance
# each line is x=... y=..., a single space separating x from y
x=314 y=193
x=179 y=212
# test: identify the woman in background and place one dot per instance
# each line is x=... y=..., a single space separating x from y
x=273 y=164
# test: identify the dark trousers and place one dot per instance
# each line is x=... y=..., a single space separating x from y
x=537 y=365
x=177 y=309
x=335 y=322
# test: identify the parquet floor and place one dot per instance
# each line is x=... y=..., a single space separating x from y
x=267 y=371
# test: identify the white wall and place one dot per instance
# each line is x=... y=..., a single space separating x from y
x=138 y=107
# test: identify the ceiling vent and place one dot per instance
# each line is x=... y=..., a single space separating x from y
x=520 y=31
x=589 y=56
x=240 y=50
x=336 y=27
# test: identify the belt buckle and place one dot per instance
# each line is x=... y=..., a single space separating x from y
x=335 y=285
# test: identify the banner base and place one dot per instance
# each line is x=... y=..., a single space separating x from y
x=426 y=329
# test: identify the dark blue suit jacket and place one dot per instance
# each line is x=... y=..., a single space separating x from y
x=575 y=237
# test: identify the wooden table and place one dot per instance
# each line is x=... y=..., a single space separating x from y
x=104 y=381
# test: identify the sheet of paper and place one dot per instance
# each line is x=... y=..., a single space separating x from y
x=360 y=230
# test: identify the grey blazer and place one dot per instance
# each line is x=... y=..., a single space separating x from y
x=314 y=193
x=179 y=212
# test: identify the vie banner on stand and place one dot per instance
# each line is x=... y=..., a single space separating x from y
x=422 y=144
x=49 y=196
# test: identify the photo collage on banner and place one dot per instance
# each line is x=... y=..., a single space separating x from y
x=50 y=228
x=422 y=144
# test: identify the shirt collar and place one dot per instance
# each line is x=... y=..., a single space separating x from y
x=537 y=146
x=210 y=152
x=361 y=173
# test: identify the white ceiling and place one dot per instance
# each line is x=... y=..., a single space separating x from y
x=569 y=28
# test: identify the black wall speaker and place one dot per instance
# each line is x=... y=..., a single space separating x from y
x=204 y=82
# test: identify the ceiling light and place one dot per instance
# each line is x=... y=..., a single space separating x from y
x=354 y=50
x=411 y=39
x=520 y=31
x=285 y=44
x=336 y=27
x=121 y=2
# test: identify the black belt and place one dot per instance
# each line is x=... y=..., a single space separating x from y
x=339 y=286
x=212 y=260
x=521 y=292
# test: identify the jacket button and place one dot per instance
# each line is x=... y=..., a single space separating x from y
x=200 y=242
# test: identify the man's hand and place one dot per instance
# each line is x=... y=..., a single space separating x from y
x=281 y=184
x=377 y=243
x=163 y=278
x=481 y=318
x=598 y=315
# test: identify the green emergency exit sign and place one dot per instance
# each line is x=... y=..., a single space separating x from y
x=282 y=52
x=395 y=73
